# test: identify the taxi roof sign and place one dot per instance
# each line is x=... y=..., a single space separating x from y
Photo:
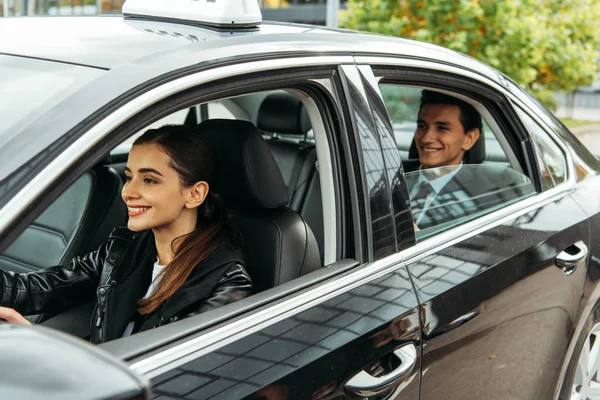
x=213 y=13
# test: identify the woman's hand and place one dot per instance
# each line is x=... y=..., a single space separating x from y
x=13 y=317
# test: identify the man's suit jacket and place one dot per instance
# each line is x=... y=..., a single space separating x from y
x=473 y=189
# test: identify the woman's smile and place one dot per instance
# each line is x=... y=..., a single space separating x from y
x=135 y=210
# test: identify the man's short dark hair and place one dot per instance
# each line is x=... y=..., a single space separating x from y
x=469 y=117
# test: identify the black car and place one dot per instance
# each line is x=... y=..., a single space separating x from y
x=497 y=301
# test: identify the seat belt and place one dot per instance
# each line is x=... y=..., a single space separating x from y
x=302 y=154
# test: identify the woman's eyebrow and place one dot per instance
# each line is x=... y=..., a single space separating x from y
x=145 y=170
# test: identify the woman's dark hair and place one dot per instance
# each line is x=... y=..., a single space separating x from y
x=469 y=116
x=194 y=160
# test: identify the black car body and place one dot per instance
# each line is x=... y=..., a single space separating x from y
x=495 y=304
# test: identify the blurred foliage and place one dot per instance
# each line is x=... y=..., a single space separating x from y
x=273 y=3
x=402 y=102
x=576 y=123
x=544 y=45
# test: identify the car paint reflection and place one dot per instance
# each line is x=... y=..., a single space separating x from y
x=515 y=307
x=311 y=354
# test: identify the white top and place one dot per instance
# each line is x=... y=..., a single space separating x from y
x=155 y=271
x=210 y=12
x=437 y=184
x=155 y=282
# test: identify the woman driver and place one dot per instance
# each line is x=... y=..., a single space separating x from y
x=179 y=256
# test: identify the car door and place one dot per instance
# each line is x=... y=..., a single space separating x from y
x=348 y=330
x=499 y=293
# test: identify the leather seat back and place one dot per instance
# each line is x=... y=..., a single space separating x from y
x=278 y=244
x=284 y=118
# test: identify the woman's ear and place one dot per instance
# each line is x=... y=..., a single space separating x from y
x=197 y=194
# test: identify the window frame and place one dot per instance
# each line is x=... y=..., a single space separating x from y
x=454 y=76
x=495 y=102
x=539 y=156
x=496 y=218
x=497 y=106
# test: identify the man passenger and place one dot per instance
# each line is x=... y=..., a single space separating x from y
x=447 y=128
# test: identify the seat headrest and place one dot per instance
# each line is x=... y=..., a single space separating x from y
x=283 y=113
x=476 y=155
x=247 y=175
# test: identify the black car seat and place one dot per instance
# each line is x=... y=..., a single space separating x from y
x=278 y=244
x=76 y=223
x=284 y=120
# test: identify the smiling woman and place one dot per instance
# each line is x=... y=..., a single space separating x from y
x=176 y=223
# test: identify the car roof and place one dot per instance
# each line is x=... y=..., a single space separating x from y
x=110 y=41
x=136 y=54
x=104 y=41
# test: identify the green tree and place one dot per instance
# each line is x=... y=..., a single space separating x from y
x=544 y=45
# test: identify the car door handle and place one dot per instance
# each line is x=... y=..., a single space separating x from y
x=569 y=257
x=364 y=384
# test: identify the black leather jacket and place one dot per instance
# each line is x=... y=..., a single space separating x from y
x=119 y=273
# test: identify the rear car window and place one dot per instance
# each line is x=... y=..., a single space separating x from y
x=443 y=196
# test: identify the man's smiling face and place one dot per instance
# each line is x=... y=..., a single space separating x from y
x=440 y=137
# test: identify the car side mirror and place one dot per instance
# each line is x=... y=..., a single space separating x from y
x=42 y=363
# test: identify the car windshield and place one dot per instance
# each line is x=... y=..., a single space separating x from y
x=28 y=89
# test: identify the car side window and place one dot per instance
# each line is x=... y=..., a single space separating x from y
x=295 y=156
x=446 y=186
x=550 y=158
x=402 y=104
x=70 y=227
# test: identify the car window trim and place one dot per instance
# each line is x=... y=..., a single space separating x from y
x=351 y=78
x=97 y=136
x=163 y=360
x=144 y=344
x=556 y=139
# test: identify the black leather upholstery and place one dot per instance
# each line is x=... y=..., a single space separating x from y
x=278 y=244
x=283 y=113
x=76 y=223
x=306 y=198
x=476 y=155
x=248 y=176
x=286 y=154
